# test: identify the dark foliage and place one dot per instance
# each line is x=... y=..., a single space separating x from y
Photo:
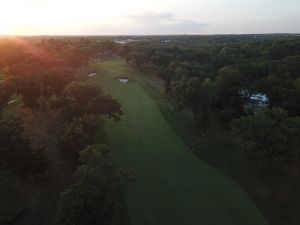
x=96 y=197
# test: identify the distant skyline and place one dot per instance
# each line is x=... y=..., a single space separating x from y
x=135 y=17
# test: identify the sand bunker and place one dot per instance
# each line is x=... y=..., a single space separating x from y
x=11 y=102
x=92 y=74
x=123 y=80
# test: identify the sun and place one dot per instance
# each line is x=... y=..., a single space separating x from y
x=49 y=17
x=11 y=27
x=25 y=17
x=10 y=17
x=20 y=17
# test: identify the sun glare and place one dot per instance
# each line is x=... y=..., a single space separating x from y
x=26 y=17
x=46 y=17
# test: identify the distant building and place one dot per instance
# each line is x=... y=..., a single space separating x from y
x=126 y=41
x=165 y=41
x=254 y=101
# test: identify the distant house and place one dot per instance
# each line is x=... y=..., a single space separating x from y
x=254 y=101
x=125 y=41
x=165 y=41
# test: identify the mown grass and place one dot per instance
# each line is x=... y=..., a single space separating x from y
x=173 y=187
x=217 y=146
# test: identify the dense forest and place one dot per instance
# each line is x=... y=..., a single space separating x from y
x=55 y=164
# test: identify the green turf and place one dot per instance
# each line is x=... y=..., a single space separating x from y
x=173 y=187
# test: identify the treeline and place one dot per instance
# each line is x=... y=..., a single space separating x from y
x=54 y=168
x=218 y=76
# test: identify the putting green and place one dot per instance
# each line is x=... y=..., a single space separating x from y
x=172 y=187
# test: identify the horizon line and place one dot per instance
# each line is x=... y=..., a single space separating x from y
x=144 y=35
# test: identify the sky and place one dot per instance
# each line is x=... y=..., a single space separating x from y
x=147 y=17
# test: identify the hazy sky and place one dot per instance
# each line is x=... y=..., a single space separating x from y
x=149 y=16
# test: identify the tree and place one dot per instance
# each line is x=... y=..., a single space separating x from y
x=57 y=79
x=228 y=98
x=76 y=135
x=81 y=98
x=97 y=196
x=5 y=95
x=12 y=201
x=16 y=152
x=269 y=135
x=195 y=95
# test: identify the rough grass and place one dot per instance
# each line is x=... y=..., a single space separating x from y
x=173 y=187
